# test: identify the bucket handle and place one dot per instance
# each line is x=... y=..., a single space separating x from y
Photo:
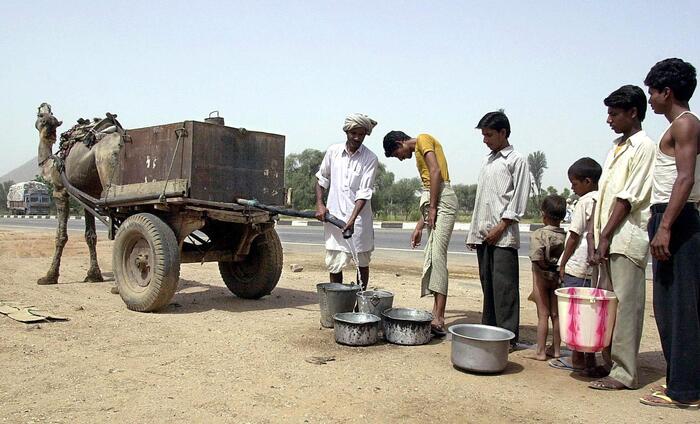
x=592 y=299
x=374 y=300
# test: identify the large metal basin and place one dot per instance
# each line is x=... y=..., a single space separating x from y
x=356 y=328
x=480 y=348
x=406 y=326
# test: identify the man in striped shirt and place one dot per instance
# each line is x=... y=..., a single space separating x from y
x=501 y=199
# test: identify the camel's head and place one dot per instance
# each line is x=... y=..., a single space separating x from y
x=46 y=123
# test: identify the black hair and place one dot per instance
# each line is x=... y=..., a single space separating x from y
x=392 y=141
x=586 y=168
x=554 y=206
x=675 y=74
x=628 y=97
x=495 y=121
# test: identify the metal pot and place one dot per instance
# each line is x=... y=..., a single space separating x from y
x=406 y=326
x=374 y=301
x=335 y=298
x=480 y=348
x=356 y=328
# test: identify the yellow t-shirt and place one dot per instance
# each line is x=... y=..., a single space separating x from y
x=424 y=144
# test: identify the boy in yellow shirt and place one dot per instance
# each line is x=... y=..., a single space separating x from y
x=438 y=206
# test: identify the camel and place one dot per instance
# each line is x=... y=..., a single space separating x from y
x=88 y=167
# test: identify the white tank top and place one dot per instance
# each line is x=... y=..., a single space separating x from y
x=665 y=173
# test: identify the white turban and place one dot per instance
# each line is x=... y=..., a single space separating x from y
x=359 y=120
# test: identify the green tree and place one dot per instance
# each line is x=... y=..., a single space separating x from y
x=537 y=162
x=4 y=189
x=382 y=187
x=566 y=193
x=551 y=191
x=466 y=196
x=402 y=199
x=300 y=174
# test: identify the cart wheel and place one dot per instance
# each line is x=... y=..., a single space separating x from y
x=146 y=262
x=259 y=273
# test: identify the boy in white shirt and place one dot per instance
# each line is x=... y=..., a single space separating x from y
x=574 y=269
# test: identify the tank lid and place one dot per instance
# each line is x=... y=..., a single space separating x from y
x=216 y=120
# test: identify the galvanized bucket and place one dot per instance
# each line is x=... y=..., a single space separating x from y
x=335 y=298
x=374 y=301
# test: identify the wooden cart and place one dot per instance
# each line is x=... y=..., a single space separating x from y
x=171 y=201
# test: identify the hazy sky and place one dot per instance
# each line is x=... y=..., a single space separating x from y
x=299 y=67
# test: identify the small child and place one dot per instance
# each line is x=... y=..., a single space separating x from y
x=546 y=245
x=574 y=269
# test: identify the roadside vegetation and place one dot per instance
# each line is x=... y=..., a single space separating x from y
x=393 y=200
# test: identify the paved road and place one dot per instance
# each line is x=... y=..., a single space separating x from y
x=385 y=238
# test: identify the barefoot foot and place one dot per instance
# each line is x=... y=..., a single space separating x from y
x=537 y=357
x=552 y=352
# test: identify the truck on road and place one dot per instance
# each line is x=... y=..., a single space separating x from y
x=28 y=198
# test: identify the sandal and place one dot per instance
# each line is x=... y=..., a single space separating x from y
x=561 y=364
x=660 y=399
x=437 y=330
x=659 y=388
x=607 y=383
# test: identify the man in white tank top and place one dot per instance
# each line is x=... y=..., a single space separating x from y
x=674 y=231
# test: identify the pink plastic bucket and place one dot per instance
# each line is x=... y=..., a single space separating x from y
x=586 y=317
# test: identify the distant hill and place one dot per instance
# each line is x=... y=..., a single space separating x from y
x=24 y=172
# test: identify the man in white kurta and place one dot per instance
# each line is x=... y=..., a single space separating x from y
x=347 y=173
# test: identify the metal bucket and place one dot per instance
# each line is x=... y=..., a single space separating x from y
x=335 y=298
x=480 y=348
x=356 y=328
x=406 y=326
x=374 y=301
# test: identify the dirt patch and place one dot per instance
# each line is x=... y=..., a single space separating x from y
x=211 y=357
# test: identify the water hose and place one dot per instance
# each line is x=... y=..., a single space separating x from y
x=293 y=212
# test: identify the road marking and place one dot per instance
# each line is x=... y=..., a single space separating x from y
x=295 y=232
x=395 y=249
x=390 y=249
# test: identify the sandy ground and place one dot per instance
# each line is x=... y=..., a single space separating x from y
x=211 y=357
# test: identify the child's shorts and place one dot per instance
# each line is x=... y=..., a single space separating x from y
x=571 y=281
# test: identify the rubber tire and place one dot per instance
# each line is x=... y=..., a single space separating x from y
x=164 y=275
x=259 y=273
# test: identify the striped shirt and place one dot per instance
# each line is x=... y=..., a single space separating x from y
x=502 y=192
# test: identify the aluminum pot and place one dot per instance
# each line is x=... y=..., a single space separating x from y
x=356 y=328
x=335 y=298
x=480 y=348
x=374 y=301
x=406 y=326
